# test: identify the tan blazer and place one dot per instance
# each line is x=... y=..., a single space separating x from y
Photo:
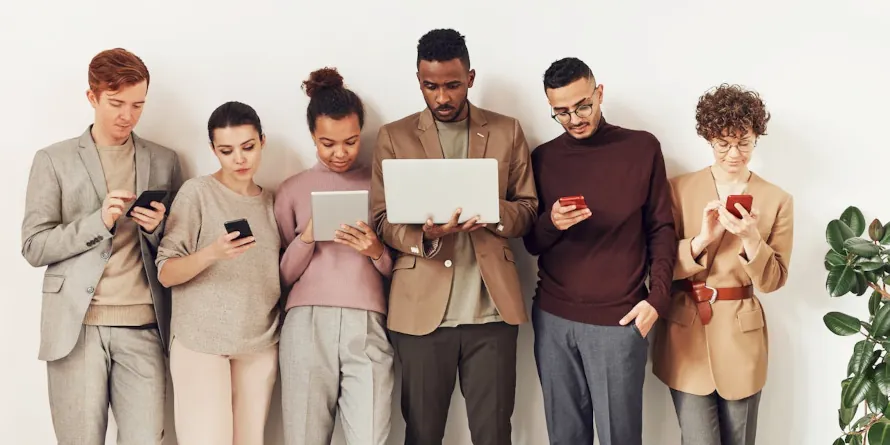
x=420 y=286
x=729 y=354
x=63 y=230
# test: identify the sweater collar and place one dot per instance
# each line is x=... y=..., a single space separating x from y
x=594 y=139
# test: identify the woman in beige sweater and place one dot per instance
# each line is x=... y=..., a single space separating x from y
x=712 y=349
x=224 y=347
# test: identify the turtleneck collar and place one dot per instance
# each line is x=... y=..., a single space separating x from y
x=594 y=139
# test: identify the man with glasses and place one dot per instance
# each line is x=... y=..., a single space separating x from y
x=593 y=309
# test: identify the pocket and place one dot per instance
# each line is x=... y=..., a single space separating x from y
x=633 y=325
x=53 y=283
x=751 y=320
x=404 y=262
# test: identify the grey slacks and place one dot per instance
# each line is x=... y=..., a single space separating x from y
x=117 y=366
x=713 y=420
x=590 y=374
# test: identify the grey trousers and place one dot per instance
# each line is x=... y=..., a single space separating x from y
x=335 y=358
x=590 y=374
x=713 y=420
x=121 y=367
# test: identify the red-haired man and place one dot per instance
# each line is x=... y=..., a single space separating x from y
x=105 y=317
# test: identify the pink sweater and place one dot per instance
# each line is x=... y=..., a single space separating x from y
x=325 y=273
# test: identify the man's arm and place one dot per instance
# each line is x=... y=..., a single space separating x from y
x=406 y=238
x=661 y=236
x=519 y=209
x=154 y=238
x=544 y=234
x=45 y=238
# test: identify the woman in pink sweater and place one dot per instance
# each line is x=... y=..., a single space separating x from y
x=334 y=352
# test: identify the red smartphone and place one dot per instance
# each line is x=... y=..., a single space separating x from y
x=577 y=201
x=745 y=200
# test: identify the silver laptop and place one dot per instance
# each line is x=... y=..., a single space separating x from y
x=331 y=209
x=420 y=189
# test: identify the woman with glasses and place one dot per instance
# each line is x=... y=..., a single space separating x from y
x=711 y=349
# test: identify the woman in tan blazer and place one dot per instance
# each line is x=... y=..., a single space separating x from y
x=711 y=349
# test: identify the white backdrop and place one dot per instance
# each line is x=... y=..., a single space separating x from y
x=820 y=67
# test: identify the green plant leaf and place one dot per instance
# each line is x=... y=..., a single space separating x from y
x=871 y=277
x=870 y=266
x=839 y=440
x=881 y=323
x=875 y=230
x=886 y=239
x=856 y=440
x=860 y=286
x=858 y=389
x=845 y=416
x=841 y=324
x=861 y=247
x=879 y=433
x=874 y=303
x=833 y=258
x=877 y=400
x=840 y=280
x=882 y=378
x=854 y=218
x=836 y=233
x=861 y=359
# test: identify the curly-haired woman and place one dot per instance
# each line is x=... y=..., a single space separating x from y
x=711 y=350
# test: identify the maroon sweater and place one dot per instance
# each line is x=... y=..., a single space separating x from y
x=595 y=271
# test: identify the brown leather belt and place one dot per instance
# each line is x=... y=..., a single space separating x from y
x=704 y=295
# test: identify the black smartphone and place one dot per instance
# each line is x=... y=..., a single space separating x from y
x=239 y=225
x=145 y=199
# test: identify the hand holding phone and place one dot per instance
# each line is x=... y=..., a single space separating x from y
x=745 y=200
x=145 y=199
x=577 y=201
x=241 y=226
x=563 y=216
x=235 y=242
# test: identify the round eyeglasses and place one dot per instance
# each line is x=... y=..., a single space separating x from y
x=566 y=116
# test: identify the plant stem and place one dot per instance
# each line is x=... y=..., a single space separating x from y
x=880 y=291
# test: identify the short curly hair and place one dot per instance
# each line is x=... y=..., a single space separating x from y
x=730 y=110
x=442 y=45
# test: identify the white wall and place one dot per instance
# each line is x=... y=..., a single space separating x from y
x=821 y=68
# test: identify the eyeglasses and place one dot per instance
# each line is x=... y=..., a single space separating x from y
x=582 y=111
x=723 y=147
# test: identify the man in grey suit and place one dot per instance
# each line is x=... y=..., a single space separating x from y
x=105 y=317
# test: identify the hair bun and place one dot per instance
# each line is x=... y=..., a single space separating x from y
x=325 y=78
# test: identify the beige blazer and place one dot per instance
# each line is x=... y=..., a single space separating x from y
x=420 y=286
x=63 y=230
x=729 y=354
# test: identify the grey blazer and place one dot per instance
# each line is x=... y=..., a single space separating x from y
x=63 y=230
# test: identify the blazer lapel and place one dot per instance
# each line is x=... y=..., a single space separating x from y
x=478 y=133
x=143 y=164
x=90 y=157
x=429 y=136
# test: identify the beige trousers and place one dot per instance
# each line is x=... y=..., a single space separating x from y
x=221 y=400
x=335 y=358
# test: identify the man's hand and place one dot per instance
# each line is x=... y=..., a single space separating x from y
x=644 y=315
x=568 y=216
x=148 y=219
x=113 y=206
x=432 y=231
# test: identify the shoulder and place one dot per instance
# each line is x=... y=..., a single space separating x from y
x=774 y=190
x=499 y=120
x=685 y=179
x=546 y=148
x=294 y=184
x=639 y=139
x=192 y=189
x=159 y=153
x=60 y=149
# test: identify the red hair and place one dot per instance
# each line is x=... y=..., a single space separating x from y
x=114 y=69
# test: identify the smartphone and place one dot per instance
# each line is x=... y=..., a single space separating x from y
x=145 y=199
x=577 y=201
x=745 y=200
x=239 y=225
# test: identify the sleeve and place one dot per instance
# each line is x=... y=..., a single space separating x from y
x=686 y=264
x=385 y=262
x=518 y=210
x=543 y=234
x=45 y=238
x=182 y=228
x=768 y=268
x=661 y=236
x=297 y=254
x=154 y=238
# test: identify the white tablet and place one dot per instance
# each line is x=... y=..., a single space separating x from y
x=332 y=209
x=420 y=189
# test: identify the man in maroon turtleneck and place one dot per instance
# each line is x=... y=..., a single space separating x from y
x=593 y=309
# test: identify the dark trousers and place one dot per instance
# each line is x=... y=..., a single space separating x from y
x=483 y=356
x=711 y=419
x=590 y=374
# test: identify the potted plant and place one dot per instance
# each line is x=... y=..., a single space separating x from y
x=858 y=265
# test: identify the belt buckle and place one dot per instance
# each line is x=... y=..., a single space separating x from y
x=713 y=294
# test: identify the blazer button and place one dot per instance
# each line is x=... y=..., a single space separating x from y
x=91 y=289
x=447 y=263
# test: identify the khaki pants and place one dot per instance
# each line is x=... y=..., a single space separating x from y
x=121 y=367
x=221 y=400
x=335 y=358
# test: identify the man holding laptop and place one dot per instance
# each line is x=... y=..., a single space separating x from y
x=606 y=225
x=455 y=299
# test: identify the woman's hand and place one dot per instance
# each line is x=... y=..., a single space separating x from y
x=711 y=228
x=361 y=238
x=745 y=227
x=226 y=248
